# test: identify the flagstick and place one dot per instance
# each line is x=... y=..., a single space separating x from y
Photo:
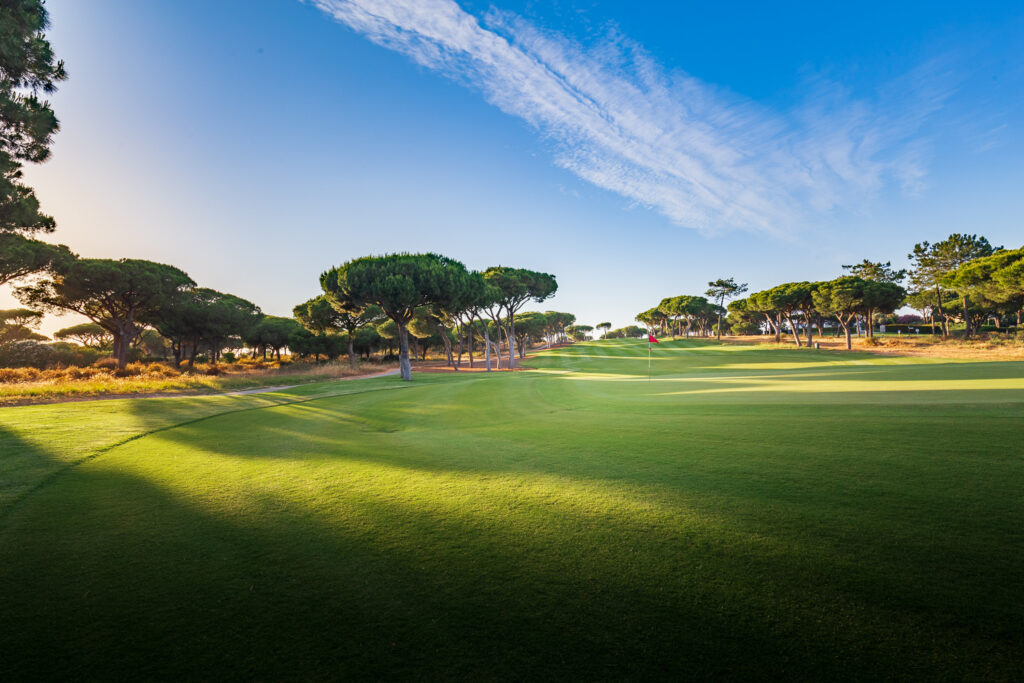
x=648 y=361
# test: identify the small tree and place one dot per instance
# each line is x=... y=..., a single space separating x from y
x=720 y=290
x=17 y=324
x=604 y=327
x=579 y=332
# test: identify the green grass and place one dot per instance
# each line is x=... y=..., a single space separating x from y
x=744 y=513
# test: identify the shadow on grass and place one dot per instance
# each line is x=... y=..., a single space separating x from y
x=109 y=575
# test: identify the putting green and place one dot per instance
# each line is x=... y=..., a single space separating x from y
x=739 y=513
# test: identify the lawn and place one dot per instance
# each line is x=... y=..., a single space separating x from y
x=741 y=513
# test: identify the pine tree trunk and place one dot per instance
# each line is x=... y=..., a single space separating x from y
x=192 y=353
x=796 y=334
x=942 y=315
x=487 y=346
x=118 y=346
x=511 y=342
x=404 y=365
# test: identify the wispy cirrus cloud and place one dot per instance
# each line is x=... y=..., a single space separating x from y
x=704 y=158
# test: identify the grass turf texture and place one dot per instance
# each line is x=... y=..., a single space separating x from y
x=744 y=513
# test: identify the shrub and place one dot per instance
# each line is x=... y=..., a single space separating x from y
x=162 y=370
x=72 y=355
x=83 y=373
x=12 y=375
x=26 y=353
x=228 y=357
x=135 y=369
x=106 y=363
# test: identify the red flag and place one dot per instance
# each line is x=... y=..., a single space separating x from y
x=652 y=339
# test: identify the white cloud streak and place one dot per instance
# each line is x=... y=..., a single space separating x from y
x=702 y=157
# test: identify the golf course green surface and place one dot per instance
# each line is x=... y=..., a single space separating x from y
x=744 y=513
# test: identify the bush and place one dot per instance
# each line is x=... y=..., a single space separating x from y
x=12 y=375
x=162 y=370
x=228 y=357
x=83 y=373
x=26 y=353
x=106 y=363
x=73 y=355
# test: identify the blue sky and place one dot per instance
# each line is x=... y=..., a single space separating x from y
x=635 y=150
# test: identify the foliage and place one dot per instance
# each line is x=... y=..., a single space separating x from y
x=202 y=316
x=399 y=284
x=934 y=264
x=328 y=312
x=721 y=289
x=86 y=334
x=693 y=310
x=512 y=288
x=629 y=331
x=28 y=68
x=117 y=295
x=557 y=322
x=579 y=332
x=743 y=320
x=994 y=282
x=271 y=333
x=305 y=343
x=21 y=256
x=652 y=318
x=876 y=271
x=26 y=353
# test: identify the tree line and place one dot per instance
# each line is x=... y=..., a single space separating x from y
x=427 y=296
x=961 y=280
x=370 y=304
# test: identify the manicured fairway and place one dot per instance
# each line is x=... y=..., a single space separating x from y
x=744 y=513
